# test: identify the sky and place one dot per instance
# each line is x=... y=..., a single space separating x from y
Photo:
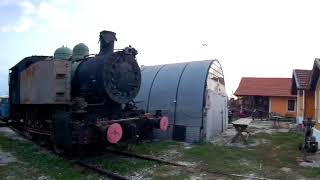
x=250 y=38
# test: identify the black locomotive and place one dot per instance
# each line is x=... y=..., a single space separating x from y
x=80 y=103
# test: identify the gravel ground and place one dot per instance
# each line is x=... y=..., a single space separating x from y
x=5 y=131
x=6 y=158
x=255 y=127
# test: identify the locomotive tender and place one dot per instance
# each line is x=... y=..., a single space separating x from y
x=78 y=100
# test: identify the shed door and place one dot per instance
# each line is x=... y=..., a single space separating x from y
x=179 y=133
x=216 y=115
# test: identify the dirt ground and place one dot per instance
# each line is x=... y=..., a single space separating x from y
x=6 y=157
x=255 y=127
x=5 y=131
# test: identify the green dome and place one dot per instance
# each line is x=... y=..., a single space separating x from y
x=63 y=53
x=80 y=51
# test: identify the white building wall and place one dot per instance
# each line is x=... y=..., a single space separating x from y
x=300 y=106
x=316 y=132
x=216 y=114
x=216 y=104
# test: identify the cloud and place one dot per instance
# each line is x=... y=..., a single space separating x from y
x=36 y=15
x=27 y=7
x=25 y=20
x=24 y=25
x=250 y=38
x=54 y=16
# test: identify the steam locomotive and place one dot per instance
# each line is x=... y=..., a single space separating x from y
x=75 y=100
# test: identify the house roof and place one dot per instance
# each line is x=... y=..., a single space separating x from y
x=300 y=79
x=253 y=86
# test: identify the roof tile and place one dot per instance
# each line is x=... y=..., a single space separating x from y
x=253 y=86
x=302 y=78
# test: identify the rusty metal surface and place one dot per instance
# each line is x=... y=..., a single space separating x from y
x=14 y=76
x=46 y=82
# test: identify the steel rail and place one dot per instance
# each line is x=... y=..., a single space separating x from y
x=79 y=163
x=101 y=171
x=115 y=176
x=188 y=167
x=162 y=161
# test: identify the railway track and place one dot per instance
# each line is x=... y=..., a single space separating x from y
x=77 y=162
x=187 y=168
x=101 y=171
x=115 y=176
x=148 y=158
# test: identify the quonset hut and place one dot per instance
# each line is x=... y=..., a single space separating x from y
x=191 y=94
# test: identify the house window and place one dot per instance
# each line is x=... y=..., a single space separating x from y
x=291 y=105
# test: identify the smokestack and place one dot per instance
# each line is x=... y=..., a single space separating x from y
x=107 y=39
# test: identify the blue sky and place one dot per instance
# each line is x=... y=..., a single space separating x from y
x=249 y=37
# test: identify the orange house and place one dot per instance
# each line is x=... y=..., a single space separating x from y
x=267 y=94
x=305 y=96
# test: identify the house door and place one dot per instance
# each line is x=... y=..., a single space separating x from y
x=261 y=103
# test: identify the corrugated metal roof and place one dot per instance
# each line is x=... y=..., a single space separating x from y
x=176 y=88
x=253 y=86
x=179 y=90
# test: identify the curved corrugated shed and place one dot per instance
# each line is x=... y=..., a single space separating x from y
x=148 y=75
x=174 y=88
x=163 y=91
x=178 y=90
x=191 y=93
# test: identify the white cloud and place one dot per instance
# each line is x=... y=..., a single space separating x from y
x=55 y=17
x=23 y=25
x=25 y=21
x=51 y=14
x=249 y=37
x=27 y=8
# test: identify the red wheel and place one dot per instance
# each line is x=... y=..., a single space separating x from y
x=114 y=133
x=164 y=123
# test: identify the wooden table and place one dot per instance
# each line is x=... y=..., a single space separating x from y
x=276 y=120
x=241 y=126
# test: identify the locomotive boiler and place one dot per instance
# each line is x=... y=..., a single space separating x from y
x=75 y=100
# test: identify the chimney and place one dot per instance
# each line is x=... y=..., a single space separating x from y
x=107 y=39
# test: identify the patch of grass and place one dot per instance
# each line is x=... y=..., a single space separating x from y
x=164 y=173
x=125 y=166
x=34 y=162
x=264 y=160
x=311 y=172
x=219 y=158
